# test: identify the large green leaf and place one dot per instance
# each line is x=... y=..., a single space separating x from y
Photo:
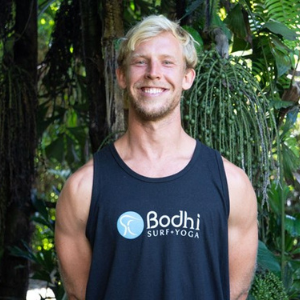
x=280 y=53
x=266 y=259
x=195 y=34
x=276 y=193
x=235 y=21
x=281 y=29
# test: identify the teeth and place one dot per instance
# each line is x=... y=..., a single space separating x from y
x=153 y=90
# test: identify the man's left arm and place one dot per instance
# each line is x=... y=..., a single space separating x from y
x=242 y=232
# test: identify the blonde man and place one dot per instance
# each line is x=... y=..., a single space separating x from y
x=157 y=215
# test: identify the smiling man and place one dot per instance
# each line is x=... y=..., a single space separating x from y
x=157 y=215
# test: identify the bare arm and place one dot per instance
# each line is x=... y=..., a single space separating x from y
x=72 y=246
x=242 y=231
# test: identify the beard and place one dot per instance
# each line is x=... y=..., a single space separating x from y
x=153 y=109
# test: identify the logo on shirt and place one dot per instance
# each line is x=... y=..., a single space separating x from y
x=130 y=225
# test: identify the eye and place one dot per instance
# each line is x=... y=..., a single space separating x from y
x=168 y=62
x=139 y=62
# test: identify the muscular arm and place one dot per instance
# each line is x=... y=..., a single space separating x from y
x=72 y=246
x=242 y=231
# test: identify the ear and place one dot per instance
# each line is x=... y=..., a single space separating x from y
x=121 y=78
x=188 y=79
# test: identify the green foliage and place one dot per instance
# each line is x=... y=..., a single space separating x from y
x=231 y=108
x=274 y=27
x=282 y=235
x=42 y=255
x=267 y=286
x=266 y=260
x=46 y=16
x=227 y=110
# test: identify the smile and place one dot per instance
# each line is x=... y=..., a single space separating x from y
x=153 y=91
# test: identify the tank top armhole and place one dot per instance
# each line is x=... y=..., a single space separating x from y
x=90 y=227
x=223 y=182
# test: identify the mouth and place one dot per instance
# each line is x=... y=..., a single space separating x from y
x=153 y=90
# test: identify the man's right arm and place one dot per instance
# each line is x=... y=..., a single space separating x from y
x=72 y=246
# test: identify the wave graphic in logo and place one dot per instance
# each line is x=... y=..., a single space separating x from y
x=130 y=225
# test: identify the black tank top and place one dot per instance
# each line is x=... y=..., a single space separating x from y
x=159 y=238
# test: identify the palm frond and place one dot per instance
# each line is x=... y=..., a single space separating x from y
x=283 y=11
x=227 y=110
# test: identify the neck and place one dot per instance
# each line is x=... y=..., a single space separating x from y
x=156 y=149
x=156 y=137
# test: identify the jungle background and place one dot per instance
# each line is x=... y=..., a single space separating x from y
x=59 y=103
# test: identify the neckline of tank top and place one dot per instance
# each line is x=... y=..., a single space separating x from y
x=132 y=173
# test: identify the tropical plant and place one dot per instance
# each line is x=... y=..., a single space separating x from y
x=246 y=80
x=42 y=254
x=267 y=286
x=227 y=110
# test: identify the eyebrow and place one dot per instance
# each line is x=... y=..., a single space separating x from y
x=140 y=55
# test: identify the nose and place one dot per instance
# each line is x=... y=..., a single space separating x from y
x=153 y=70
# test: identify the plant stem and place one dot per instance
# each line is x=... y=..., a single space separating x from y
x=282 y=200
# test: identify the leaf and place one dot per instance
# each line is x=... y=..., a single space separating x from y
x=40 y=206
x=195 y=34
x=240 y=45
x=292 y=116
x=281 y=56
x=236 y=22
x=277 y=104
x=296 y=251
x=192 y=7
x=276 y=192
x=56 y=149
x=290 y=161
x=281 y=29
x=292 y=225
x=266 y=259
x=42 y=221
x=79 y=134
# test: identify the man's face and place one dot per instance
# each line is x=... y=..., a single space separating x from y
x=155 y=75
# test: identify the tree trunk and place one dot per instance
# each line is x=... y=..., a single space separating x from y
x=113 y=29
x=94 y=64
x=18 y=139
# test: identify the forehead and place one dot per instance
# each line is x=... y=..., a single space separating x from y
x=163 y=44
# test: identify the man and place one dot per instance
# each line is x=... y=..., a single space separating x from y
x=157 y=215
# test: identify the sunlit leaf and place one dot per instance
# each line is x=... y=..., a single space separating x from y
x=281 y=29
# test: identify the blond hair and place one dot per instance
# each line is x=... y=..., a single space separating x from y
x=151 y=27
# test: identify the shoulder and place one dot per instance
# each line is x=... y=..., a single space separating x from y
x=241 y=193
x=237 y=179
x=75 y=197
x=81 y=181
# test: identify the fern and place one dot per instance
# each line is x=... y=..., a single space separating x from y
x=283 y=11
x=273 y=24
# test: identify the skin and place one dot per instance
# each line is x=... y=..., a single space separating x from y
x=155 y=145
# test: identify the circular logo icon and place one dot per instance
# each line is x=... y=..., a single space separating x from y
x=130 y=225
